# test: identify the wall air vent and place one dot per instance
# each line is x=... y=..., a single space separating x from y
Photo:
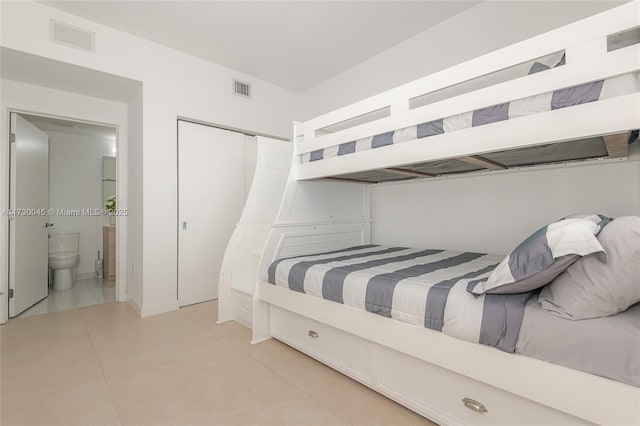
x=70 y=36
x=241 y=88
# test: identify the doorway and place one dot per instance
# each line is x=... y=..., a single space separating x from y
x=62 y=206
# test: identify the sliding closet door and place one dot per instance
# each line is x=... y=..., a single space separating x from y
x=211 y=195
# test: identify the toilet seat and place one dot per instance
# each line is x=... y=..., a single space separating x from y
x=64 y=255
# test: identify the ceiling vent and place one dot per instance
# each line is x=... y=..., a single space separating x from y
x=71 y=36
x=241 y=88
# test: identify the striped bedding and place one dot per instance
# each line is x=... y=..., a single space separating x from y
x=426 y=288
x=576 y=95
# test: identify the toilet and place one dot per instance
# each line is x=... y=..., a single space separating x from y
x=64 y=256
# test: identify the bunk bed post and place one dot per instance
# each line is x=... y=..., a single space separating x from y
x=260 y=309
x=260 y=330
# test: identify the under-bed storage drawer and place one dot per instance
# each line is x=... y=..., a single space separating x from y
x=440 y=394
x=340 y=350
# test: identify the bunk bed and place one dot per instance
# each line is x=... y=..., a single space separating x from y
x=564 y=99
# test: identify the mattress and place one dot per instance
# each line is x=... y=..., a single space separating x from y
x=563 y=98
x=426 y=288
x=607 y=347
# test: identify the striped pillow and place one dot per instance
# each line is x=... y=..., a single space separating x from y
x=543 y=256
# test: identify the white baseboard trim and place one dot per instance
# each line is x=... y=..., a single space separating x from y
x=81 y=276
x=160 y=308
x=262 y=340
x=135 y=306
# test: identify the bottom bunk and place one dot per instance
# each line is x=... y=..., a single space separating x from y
x=447 y=380
x=427 y=356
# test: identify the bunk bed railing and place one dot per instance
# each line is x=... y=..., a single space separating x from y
x=619 y=62
x=584 y=43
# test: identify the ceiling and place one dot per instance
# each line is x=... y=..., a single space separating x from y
x=58 y=125
x=293 y=44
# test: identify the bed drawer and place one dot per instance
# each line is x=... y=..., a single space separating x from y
x=340 y=350
x=439 y=394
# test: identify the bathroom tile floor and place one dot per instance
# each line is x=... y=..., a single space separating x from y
x=104 y=365
x=83 y=293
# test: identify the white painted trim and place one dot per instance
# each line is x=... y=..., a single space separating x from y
x=262 y=340
x=122 y=239
x=231 y=128
x=134 y=305
x=159 y=308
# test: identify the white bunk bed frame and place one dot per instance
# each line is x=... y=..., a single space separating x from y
x=447 y=380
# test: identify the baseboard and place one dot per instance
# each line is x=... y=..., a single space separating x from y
x=242 y=322
x=261 y=340
x=135 y=306
x=160 y=308
x=81 y=276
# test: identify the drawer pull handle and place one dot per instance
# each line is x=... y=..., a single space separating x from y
x=474 y=405
x=313 y=334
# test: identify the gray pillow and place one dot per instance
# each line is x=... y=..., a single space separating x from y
x=542 y=257
x=547 y=62
x=590 y=289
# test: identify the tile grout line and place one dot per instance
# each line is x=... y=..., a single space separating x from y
x=310 y=397
x=299 y=388
x=104 y=377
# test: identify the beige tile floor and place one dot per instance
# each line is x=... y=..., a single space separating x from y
x=103 y=365
x=83 y=293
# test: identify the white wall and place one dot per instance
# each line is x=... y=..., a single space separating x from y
x=174 y=85
x=486 y=27
x=494 y=212
x=75 y=182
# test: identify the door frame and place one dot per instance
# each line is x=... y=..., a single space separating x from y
x=121 y=195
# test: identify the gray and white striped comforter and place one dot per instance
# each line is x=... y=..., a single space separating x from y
x=422 y=287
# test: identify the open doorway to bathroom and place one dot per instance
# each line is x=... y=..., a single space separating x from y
x=62 y=209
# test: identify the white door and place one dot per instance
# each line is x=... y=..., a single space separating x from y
x=29 y=199
x=211 y=195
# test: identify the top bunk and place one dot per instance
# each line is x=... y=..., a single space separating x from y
x=572 y=94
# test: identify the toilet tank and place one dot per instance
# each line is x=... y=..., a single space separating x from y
x=64 y=241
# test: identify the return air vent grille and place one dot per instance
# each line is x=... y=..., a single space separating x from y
x=241 y=88
x=71 y=36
